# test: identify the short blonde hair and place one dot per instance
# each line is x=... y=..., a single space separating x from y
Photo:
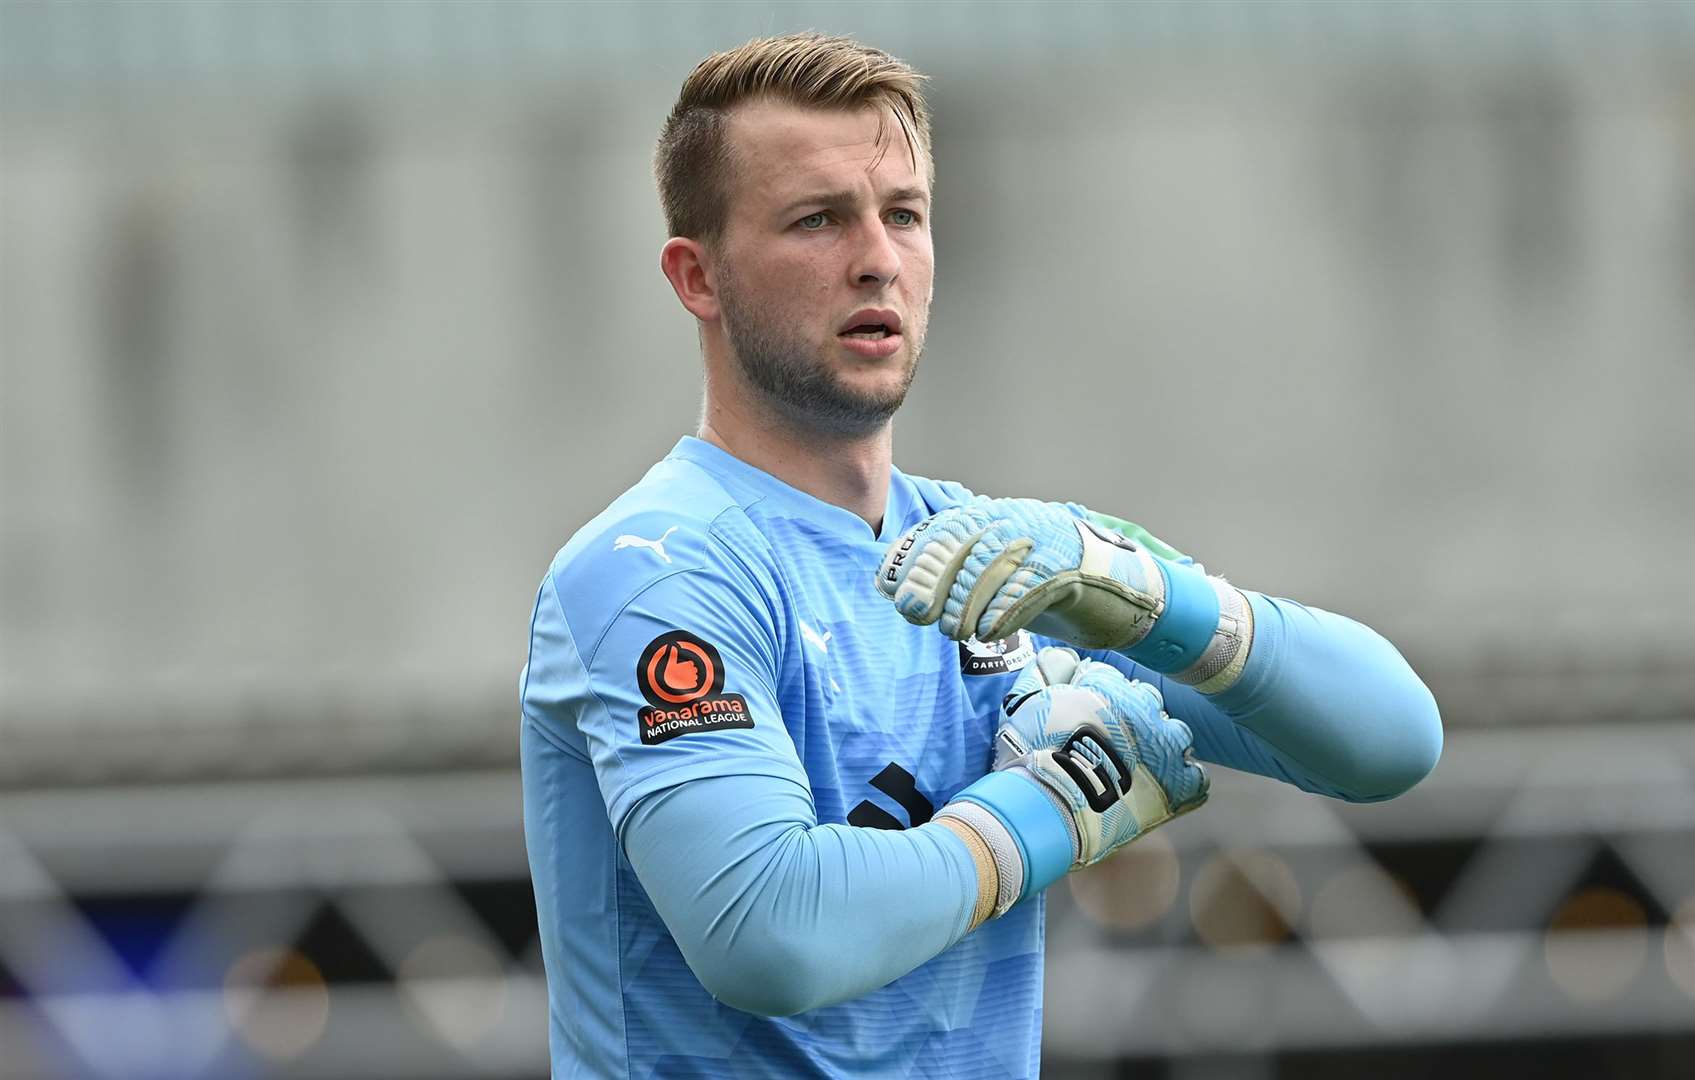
x=692 y=161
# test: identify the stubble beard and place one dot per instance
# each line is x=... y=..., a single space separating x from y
x=802 y=388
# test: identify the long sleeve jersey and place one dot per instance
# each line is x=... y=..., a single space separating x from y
x=732 y=747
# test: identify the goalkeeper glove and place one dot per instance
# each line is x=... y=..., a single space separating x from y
x=992 y=567
x=1085 y=762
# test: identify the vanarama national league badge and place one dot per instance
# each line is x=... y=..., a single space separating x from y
x=682 y=678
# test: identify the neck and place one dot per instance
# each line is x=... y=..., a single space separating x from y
x=850 y=471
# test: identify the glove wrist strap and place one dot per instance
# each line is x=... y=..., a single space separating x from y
x=1041 y=834
x=1188 y=618
x=1227 y=654
x=1200 y=629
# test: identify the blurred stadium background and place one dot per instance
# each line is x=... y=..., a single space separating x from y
x=324 y=324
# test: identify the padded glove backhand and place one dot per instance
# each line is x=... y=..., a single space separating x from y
x=1086 y=761
x=1104 y=747
x=992 y=567
x=996 y=566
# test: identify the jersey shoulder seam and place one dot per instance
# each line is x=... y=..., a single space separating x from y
x=711 y=532
x=587 y=660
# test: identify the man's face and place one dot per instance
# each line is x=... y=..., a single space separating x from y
x=824 y=268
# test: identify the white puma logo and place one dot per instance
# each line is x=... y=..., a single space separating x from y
x=629 y=540
x=820 y=640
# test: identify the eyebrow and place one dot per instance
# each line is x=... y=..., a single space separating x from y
x=842 y=198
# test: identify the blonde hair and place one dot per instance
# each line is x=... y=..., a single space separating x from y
x=692 y=161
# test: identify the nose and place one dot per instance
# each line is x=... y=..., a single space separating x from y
x=877 y=262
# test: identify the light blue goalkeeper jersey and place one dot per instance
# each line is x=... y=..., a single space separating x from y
x=804 y=672
x=717 y=625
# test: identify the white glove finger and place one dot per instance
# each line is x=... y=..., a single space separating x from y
x=1169 y=754
x=918 y=572
x=1200 y=783
x=1053 y=666
x=1182 y=729
x=991 y=560
x=1013 y=607
x=899 y=558
x=1057 y=664
x=1018 y=601
x=1018 y=735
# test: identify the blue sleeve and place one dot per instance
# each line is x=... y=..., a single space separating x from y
x=777 y=914
x=666 y=672
x=660 y=671
x=1324 y=703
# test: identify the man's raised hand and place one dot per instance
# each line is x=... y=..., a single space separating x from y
x=1086 y=760
x=992 y=567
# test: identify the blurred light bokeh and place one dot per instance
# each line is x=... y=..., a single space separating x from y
x=322 y=325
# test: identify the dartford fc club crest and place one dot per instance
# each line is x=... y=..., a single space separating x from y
x=996 y=657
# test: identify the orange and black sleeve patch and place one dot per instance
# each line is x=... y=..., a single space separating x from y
x=682 y=678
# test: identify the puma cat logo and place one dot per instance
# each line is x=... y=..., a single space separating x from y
x=629 y=540
x=820 y=640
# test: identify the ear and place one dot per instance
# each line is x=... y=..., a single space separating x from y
x=686 y=265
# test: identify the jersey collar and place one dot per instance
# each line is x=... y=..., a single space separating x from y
x=790 y=501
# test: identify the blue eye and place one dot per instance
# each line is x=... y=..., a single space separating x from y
x=814 y=221
x=903 y=217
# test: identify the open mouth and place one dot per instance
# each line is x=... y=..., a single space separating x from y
x=868 y=331
x=871 y=324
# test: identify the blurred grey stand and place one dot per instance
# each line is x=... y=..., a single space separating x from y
x=323 y=325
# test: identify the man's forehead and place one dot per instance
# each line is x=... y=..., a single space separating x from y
x=779 y=145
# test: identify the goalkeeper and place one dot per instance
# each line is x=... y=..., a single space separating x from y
x=805 y=737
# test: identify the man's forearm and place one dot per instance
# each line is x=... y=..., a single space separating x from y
x=1334 y=701
x=776 y=914
x=1330 y=699
x=1324 y=703
x=1268 y=685
x=995 y=566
